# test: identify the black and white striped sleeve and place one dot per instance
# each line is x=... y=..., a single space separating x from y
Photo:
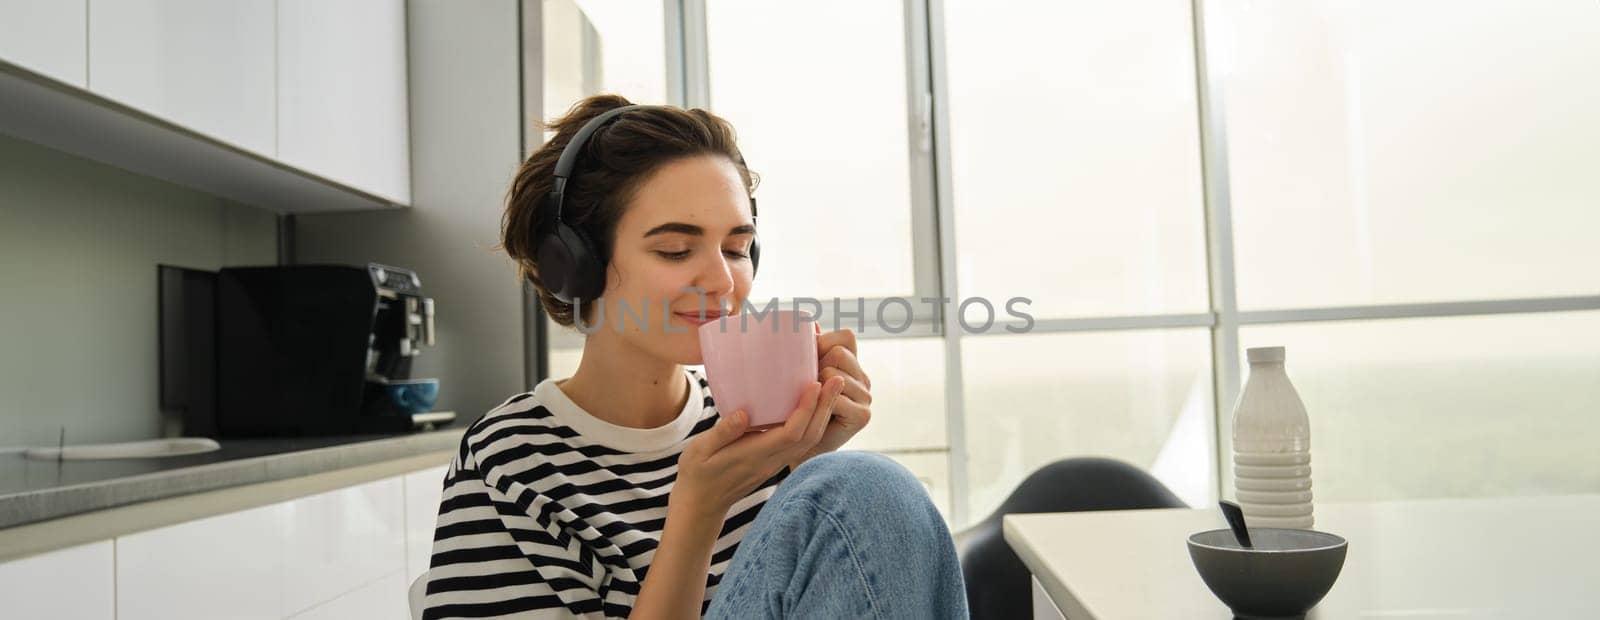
x=492 y=559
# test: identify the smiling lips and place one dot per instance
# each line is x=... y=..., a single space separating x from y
x=693 y=318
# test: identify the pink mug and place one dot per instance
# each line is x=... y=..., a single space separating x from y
x=761 y=365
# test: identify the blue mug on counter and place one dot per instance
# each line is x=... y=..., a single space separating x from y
x=413 y=395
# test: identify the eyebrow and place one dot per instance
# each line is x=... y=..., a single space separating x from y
x=691 y=229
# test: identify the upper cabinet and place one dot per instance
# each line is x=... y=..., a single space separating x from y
x=45 y=36
x=342 y=109
x=298 y=106
x=202 y=64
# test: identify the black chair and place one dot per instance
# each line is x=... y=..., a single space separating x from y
x=997 y=580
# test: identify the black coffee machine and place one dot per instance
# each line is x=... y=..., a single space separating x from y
x=299 y=350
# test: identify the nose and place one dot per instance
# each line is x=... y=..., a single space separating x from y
x=717 y=278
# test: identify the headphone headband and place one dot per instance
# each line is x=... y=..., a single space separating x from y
x=574 y=148
x=569 y=154
x=570 y=261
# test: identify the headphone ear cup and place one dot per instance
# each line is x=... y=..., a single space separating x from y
x=588 y=268
x=555 y=265
x=569 y=265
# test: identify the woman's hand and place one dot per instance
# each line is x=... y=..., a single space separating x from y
x=725 y=464
x=836 y=351
x=717 y=468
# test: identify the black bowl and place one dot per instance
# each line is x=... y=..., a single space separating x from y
x=1284 y=575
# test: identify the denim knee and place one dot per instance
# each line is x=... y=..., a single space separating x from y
x=858 y=481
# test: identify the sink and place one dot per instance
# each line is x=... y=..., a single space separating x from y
x=151 y=449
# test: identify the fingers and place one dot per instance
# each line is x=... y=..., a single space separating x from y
x=853 y=387
x=844 y=338
x=800 y=419
x=793 y=429
x=851 y=414
x=824 y=411
x=803 y=429
x=843 y=357
x=728 y=429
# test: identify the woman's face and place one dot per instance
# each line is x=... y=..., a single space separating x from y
x=689 y=225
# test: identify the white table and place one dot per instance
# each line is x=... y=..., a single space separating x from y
x=1534 y=557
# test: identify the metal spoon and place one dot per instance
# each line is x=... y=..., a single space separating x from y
x=1235 y=517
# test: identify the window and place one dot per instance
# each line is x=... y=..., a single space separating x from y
x=1413 y=221
x=1447 y=407
x=1369 y=168
x=1075 y=156
x=1075 y=166
x=832 y=146
x=1139 y=396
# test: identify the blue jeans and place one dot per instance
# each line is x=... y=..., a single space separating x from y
x=847 y=535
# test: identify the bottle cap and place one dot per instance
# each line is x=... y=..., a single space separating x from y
x=1264 y=354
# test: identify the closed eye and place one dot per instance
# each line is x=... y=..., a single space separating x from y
x=682 y=255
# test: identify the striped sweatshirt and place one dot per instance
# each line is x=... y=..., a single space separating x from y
x=550 y=512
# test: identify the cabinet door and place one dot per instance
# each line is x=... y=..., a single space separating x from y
x=46 y=36
x=342 y=109
x=384 y=599
x=341 y=540
x=201 y=64
x=70 y=583
x=227 y=566
x=423 y=492
x=267 y=562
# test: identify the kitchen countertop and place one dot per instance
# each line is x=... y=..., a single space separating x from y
x=1459 y=558
x=39 y=490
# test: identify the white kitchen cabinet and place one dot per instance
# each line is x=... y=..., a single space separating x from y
x=227 y=566
x=339 y=541
x=424 y=489
x=204 y=65
x=342 y=94
x=338 y=554
x=384 y=599
x=46 y=36
x=76 y=583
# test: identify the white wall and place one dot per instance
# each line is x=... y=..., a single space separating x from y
x=79 y=245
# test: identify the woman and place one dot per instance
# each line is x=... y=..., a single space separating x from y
x=622 y=491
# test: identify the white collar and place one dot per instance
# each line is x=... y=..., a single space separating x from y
x=598 y=431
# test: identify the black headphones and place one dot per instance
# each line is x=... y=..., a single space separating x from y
x=570 y=264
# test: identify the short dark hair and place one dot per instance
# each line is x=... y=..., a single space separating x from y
x=614 y=163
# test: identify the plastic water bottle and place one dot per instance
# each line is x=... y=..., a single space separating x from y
x=1272 y=446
